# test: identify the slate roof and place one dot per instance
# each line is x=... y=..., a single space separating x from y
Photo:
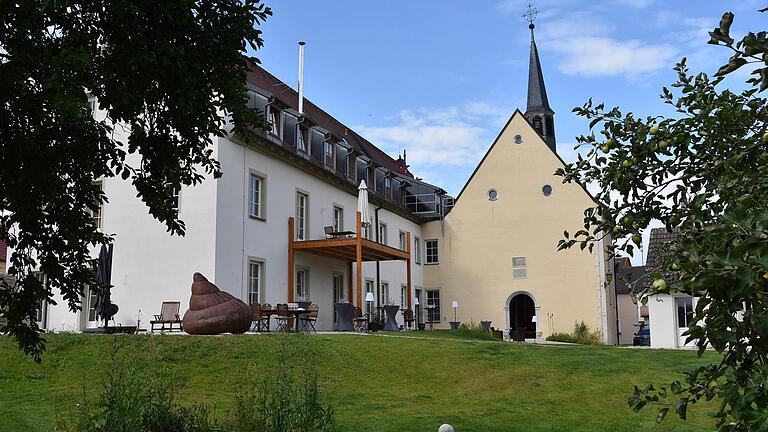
x=661 y=244
x=629 y=279
x=537 y=92
x=264 y=80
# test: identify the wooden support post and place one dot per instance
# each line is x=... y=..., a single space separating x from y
x=408 y=266
x=290 y=260
x=359 y=259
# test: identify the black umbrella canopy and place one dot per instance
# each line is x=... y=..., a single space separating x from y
x=103 y=306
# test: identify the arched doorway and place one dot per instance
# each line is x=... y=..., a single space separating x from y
x=521 y=312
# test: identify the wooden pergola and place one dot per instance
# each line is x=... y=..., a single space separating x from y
x=353 y=250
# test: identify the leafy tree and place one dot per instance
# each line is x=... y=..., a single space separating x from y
x=162 y=71
x=703 y=173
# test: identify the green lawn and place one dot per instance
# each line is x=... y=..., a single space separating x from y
x=375 y=383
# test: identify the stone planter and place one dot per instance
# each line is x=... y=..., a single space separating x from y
x=454 y=324
x=486 y=325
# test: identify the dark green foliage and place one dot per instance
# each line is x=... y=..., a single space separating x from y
x=164 y=71
x=581 y=335
x=704 y=174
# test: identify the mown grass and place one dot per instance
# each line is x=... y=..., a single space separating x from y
x=375 y=383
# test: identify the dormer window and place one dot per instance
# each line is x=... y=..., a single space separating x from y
x=388 y=187
x=272 y=120
x=301 y=143
x=290 y=129
x=329 y=154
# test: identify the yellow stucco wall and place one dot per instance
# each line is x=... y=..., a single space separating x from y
x=479 y=237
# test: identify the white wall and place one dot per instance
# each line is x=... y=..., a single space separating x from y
x=240 y=237
x=662 y=311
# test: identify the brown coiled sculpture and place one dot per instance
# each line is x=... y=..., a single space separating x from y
x=212 y=311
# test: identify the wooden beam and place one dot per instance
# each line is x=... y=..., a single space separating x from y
x=290 y=259
x=359 y=259
x=327 y=243
x=384 y=250
x=408 y=265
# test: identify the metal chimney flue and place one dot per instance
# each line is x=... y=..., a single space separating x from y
x=301 y=77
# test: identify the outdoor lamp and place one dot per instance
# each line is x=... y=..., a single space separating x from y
x=455 y=305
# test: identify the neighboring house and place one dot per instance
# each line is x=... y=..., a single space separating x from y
x=496 y=251
x=669 y=313
x=629 y=280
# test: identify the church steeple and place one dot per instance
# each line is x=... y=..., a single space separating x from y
x=538 y=112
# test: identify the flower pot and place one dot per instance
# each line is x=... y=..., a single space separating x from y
x=486 y=325
x=455 y=325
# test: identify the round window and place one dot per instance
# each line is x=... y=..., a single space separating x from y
x=518 y=139
x=547 y=189
x=493 y=195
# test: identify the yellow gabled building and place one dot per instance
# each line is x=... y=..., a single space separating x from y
x=495 y=252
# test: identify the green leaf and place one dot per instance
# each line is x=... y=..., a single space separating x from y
x=733 y=64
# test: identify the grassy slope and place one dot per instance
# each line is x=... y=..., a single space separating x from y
x=375 y=383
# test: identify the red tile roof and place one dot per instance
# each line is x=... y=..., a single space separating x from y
x=264 y=80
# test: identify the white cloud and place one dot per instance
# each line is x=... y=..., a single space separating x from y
x=441 y=141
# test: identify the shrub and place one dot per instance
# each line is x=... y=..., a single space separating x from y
x=474 y=331
x=283 y=398
x=581 y=335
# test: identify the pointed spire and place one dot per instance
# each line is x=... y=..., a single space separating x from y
x=538 y=112
x=537 y=91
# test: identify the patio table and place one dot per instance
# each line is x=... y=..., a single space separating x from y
x=391 y=324
x=296 y=312
x=344 y=312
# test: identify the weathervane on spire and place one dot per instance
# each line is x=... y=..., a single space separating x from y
x=530 y=15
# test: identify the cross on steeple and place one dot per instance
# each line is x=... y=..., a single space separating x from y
x=530 y=15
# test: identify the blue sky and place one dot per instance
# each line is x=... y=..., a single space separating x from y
x=440 y=78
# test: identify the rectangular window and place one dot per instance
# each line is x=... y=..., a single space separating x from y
x=383 y=233
x=361 y=170
x=368 y=289
x=302 y=284
x=432 y=253
x=417 y=248
x=302 y=200
x=301 y=139
x=388 y=187
x=256 y=196
x=338 y=293
x=433 y=306
x=255 y=281
x=274 y=127
x=403 y=296
x=338 y=219
x=96 y=214
x=684 y=312
x=384 y=299
x=403 y=242
x=329 y=158
x=519 y=267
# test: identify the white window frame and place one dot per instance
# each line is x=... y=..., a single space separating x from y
x=519 y=270
x=384 y=293
x=417 y=247
x=260 y=213
x=98 y=216
x=403 y=296
x=259 y=280
x=383 y=233
x=326 y=145
x=436 y=259
x=301 y=142
x=439 y=309
x=272 y=116
x=305 y=287
x=370 y=287
x=338 y=218
x=302 y=216
x=403 y=240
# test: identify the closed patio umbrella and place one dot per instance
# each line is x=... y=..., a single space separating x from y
x=362 y=203
x=104 y=307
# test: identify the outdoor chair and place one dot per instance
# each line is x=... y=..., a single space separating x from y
x=260 y=321
x=309 y=319
x=169 y=315
x=329 y=232
x=360 y=320
x=408 y=318
x=283 y=318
